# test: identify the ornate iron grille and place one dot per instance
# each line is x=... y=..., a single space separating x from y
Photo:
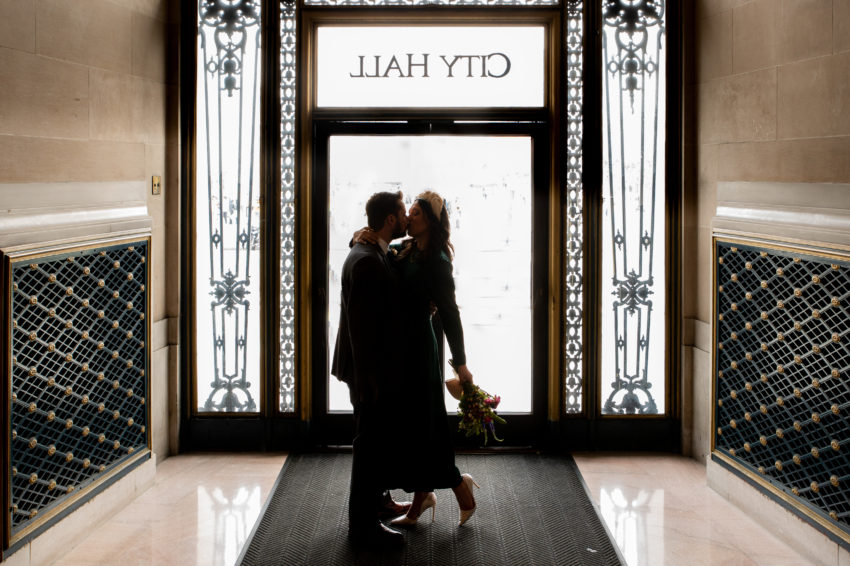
x=340 y=3
x=782 y=395
x=78 y=372
x=633 y=34
x=573 y=304
x=287 y=203
x=228 y=216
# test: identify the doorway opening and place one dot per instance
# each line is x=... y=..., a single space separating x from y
x=486 y=182
x=495 y=184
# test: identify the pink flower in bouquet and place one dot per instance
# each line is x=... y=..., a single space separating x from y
x=477 y=412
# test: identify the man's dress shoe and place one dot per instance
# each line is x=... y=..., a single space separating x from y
x=393 y=509
x=377 y=537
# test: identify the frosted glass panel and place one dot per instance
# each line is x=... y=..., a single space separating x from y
x=633 y=207
x=418 y=66
x=227 y=211
x=486 y=182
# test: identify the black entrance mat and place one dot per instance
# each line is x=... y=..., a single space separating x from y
x=532 y=509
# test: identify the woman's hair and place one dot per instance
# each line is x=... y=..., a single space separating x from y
x=439 y=230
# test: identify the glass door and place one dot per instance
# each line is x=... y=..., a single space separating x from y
x=488 y=181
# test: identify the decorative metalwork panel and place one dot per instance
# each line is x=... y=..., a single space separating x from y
x=341 y=3
x=574 y=280
x=78 y=372
x=227 y=205
x=782 y=359
x=287 y=206
x=633 y=373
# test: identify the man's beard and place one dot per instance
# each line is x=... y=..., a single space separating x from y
x=399 y=232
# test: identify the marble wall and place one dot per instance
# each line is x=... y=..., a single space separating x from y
x=765 y=103
x=89 y=101
x=766 y=100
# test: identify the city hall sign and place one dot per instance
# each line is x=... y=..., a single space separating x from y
x=492 y=65
x=441 y=66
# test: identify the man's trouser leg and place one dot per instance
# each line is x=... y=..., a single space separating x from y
x=365 y=486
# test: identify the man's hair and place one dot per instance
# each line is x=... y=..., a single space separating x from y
x=380 y=205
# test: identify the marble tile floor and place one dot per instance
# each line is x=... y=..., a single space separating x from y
x=658 y=508
x=200 y=511
x=660 y=511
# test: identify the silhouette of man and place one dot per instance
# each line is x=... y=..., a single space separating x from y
x=368 y=322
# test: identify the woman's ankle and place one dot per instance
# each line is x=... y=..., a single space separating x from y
x=416 y=506
x=465 y=499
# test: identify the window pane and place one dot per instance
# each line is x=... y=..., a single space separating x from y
x=633 y=318
x=382 y=66
x=226 y=208
x=486 y=182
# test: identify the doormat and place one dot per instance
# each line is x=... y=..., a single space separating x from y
x=532 y=510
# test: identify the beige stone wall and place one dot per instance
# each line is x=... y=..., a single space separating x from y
x=88 y=93
x=767 y=99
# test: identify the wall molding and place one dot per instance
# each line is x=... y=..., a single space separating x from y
x=164 y=333
x=812 y=215
x=776 y=518
x=696 y=334
x=50 y=215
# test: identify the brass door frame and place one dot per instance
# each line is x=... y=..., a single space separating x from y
x=587 y=430
x=590 y=429
x=526 y=429
x=309 y=116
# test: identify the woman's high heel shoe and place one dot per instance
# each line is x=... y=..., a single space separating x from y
x=430 y=502
x=466 y=514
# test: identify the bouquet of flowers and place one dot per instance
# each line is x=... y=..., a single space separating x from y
x=477 y=412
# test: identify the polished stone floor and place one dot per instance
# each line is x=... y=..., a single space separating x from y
x=660 y=511
x=658 y=508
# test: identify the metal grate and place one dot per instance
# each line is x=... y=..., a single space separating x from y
x=782 y=359
x=78 y=364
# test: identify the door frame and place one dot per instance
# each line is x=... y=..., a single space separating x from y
x=589 y=430
x=333 y=429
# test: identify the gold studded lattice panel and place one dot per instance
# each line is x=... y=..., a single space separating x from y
x=78 y=364
x=782 y=362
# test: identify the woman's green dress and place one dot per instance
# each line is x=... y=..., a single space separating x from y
x=425 y=440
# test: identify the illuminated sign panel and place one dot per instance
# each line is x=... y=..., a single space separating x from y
x=433 y=66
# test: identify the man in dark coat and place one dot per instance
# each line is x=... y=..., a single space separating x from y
x=367 y=324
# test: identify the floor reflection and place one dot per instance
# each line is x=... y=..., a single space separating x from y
x=199 y=512
x=233 y=512
x=660 y=511
x=625 y=512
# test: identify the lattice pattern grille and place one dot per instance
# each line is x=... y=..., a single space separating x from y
x=288 y=89
x=574 y=280
x=79 y=362
x=782 y=405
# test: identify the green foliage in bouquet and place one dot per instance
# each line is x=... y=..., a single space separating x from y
x=477 y=412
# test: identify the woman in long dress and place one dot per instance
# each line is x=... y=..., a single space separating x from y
x=424 y=266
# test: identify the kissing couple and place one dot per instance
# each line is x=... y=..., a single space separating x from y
x=386 y=351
